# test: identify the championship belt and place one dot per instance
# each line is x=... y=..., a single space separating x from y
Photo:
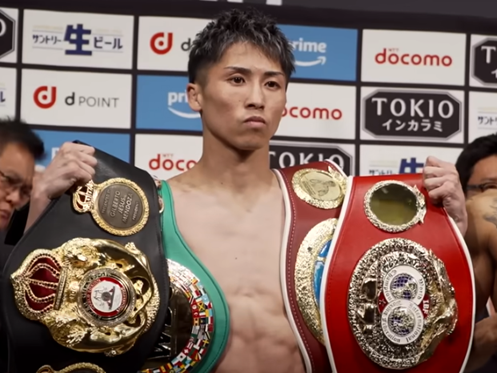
x=399 y=291
x=86 y=289
x=313 y=194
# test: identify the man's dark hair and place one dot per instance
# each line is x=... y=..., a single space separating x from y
x=480 y=148
x=13 y=131
x=234 y=26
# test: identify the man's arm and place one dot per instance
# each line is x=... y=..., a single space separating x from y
x=481 y=239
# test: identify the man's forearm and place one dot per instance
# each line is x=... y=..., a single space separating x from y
x=37 y=204
x=484 y=343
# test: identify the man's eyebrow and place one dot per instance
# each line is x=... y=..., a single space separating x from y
x=16 y=178
x=487 y=180
x=13 y=175
x=246 y=71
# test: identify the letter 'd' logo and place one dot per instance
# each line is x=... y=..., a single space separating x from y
x=161 y=43
x=45 y=97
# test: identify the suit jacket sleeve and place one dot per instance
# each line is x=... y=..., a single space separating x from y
x=16 y=226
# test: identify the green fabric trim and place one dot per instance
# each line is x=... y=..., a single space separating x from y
x=176 y=249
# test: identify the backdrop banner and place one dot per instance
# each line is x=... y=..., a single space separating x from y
x=376 y=92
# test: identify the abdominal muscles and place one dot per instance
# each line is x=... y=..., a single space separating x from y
x=261 y=340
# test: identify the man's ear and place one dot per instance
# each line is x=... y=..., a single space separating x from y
x=194 y=96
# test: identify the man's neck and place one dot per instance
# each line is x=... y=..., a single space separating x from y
x=234 y=171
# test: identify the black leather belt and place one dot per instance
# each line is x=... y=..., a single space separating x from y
x=96 y=297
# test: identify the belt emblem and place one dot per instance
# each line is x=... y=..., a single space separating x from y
x=309 y=268
x=401 y=303
x=394 y=206
x=118 y=206
x=322 y=189
x=93 y=295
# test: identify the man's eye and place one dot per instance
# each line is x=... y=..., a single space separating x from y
x=489 y=186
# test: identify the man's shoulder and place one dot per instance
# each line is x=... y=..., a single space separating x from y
x=175 y=184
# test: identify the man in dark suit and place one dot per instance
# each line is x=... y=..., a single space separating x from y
x=477 y=168
x=20 y=148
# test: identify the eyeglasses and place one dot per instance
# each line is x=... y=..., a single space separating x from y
x=480 y=188
x=11 y=185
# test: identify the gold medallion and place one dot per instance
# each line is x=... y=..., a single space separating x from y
x=106 y=297
x=309 y=267
x=394 y=206
x=322 y=189
x=119 y=206
x=401 y=303
x=74 y=368
x=93 y=295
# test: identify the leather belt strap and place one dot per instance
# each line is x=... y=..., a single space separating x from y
x=31 y=344
x=386 y=293
x=301 y=218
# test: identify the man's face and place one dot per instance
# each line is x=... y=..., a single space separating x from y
x=484 y=176
x=16 y=176
x=241 y=98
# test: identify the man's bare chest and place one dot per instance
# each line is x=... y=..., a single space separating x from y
x=239 y=251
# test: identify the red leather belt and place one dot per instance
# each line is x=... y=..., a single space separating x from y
x=306 y=215
x=398 y=289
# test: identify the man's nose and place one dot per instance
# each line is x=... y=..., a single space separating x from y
x=14 y=197
x=256 y=98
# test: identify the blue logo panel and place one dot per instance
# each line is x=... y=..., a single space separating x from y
x=410 y=166
x=323 y=52
x=115 y=144
x=161 y=103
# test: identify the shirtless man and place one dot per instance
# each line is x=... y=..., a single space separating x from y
x=477 y=166
x=229 y=207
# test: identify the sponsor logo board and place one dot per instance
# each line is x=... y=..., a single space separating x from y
x=115 y=144
x=292 y=153
x=413 y=57
x=8 y=34
x=319 y=111
x=162 y=103
x=164 y=42
x=398 y=114
x=323 y=52
x=8 y=77
x=76 y=99
x=482 y=114
x=78 y=39
x=165 y=156
x=393 y=160
x=483 y=65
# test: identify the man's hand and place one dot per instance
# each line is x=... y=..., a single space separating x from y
x=441 y=180
x=73 y=165
x=484 y=343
